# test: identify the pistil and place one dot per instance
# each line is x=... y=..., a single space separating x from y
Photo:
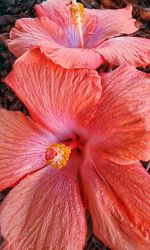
x=57 y=155
x=77 y=13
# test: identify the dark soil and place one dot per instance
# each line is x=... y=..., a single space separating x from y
x=10 y=11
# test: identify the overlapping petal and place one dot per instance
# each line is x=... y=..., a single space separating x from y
x=111 y=23
x=59 y=12
x=98 y=25
x=118 y=199
x=121 y=126
x=58 y=98
x=54 y=32
x=126 y=50
x=33 y=32
x=56 y=11
x=73 y=58
x=22 y=147
x=45 y=211
x=50 y=38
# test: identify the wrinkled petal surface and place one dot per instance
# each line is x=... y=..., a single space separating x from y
x=73 y=57
x=111 y=23
x=22 y=147
x=98 y=25
x=96 y=29
x=118 y=199
x=51 y=39
x=126 y=50
x=59 y=12
x=60 y=99
x=45 y=211
x=32 y=32
x=121 y=126
x=57 y=36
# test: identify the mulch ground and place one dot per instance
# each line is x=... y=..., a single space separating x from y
x=10 y=11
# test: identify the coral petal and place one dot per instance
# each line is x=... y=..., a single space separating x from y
x=111 y=23
x=56 y=11
x=22 y=147
x=58 y=98
x=122 y=123
x=50 y=37
x=54 y=32
x=57 y=36
x=32 y=32
x=71 y=58
x=126 y=50
x=59 y=12
x=118 y=199
x=45 y=211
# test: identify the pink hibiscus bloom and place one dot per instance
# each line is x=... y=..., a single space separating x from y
x=80 y=149
x=57 y=36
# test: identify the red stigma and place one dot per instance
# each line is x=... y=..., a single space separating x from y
x=69 y=3
x=50 y=154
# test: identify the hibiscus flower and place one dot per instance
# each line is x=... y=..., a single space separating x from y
x=79 y=149
x=58 y=37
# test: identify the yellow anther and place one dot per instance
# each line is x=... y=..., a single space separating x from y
x=77 y=12
x=57 y=155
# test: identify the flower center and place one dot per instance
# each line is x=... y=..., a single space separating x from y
x=57 y=155
x=77 y=14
